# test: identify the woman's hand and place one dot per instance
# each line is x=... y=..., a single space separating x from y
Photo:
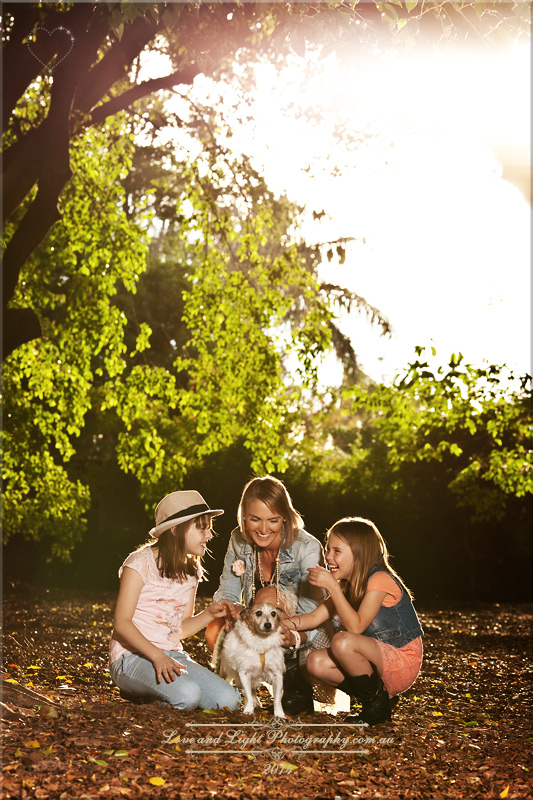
x=167 y=668
x=318 y=576
x=287 y=636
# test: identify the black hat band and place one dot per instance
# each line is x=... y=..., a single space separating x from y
x=187 y=512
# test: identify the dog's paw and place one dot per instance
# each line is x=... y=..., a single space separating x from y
x=248 y=709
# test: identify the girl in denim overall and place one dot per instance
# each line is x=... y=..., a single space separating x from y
x=377 y=650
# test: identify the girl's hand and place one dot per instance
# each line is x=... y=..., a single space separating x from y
x=233 y=615
x=167 y=668
x=318 y=576
x=222 y=608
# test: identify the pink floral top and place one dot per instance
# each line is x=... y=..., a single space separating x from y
x=160 y=606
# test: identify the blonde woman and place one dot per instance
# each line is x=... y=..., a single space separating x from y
x=267 y=560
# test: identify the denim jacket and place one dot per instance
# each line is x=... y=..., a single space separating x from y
x=294 y=561
x=396 y=625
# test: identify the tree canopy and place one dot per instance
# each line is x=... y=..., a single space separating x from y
x=80 y=55
x=159 y=304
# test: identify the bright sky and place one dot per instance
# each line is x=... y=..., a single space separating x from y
x=442 y=241
x=446 y=250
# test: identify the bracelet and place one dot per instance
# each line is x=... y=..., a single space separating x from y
x=297 y=641
x=292 y=619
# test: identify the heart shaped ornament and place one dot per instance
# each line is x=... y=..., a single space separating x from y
x=61 y=40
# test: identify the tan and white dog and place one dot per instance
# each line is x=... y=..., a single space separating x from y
x=252 y=654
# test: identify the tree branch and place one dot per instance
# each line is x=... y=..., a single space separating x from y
x=20 y=325
x=39 y=218
x=112 y=67
x=125 y=100
x=19 y=63
x=29 y=156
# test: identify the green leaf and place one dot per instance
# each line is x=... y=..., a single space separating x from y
x=99 y=761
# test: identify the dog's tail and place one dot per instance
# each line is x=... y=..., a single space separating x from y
x=217 y=650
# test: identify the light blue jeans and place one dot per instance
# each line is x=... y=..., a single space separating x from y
x=196 y=688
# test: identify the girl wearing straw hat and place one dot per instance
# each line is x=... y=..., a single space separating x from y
x=155 y=611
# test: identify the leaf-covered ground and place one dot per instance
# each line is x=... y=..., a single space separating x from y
x=463 y=730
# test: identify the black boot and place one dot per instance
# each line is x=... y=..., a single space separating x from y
x=297 y=692
x=373 y=696
x=347 y=689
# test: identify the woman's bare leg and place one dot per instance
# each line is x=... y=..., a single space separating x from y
x=212 y=631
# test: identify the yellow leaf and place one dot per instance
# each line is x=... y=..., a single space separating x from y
x=88 y=664
x=157 y=781
x=10 y=680
x=437 y=713
x=33 y=743
x=34 y=666
x=505 y=792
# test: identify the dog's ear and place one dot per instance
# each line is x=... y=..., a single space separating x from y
x=246 y=615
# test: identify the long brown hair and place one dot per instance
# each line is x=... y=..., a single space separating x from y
x=172 y=559
x=272 y=493
x=368 y=549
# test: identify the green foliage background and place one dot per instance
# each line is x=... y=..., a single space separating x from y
x=183 y=322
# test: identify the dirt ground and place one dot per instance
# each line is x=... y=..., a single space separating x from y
x=462 y=731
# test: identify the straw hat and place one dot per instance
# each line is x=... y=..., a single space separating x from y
x=179 y=507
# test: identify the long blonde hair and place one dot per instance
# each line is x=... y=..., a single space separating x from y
x=368 y=549
x=272 y=493
x=172 y=559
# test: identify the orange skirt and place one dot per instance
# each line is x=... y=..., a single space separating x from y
x=401 y=665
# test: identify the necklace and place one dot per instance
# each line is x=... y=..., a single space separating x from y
x=275 y=574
